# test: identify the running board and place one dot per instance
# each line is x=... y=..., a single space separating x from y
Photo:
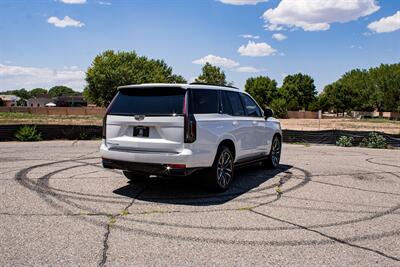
x=251 y=161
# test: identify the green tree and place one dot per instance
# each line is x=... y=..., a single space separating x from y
x=279 y=106
x=21 y=93
x=61 y=90
x=385 y=87
x=212 y=75
x=37 y=91
x=298 y=90
x=112 y=69
x=376 y=88
x=262 y=89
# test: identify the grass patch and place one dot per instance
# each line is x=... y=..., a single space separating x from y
x=28 y=118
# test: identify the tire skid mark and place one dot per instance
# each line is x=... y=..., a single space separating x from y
x=335 y=239
x=46 y=192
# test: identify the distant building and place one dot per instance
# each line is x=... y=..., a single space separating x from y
x=39 y=101
x=61 y=101
x=9 y=100
x=71 y=101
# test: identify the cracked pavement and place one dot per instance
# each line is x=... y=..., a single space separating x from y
x=339 y=206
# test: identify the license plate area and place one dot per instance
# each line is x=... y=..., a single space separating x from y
x=141 y=131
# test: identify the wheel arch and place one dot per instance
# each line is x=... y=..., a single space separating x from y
x=279 y=135
x=229 y=143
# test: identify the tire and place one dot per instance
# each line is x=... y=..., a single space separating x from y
x=135 y=177
x=272 y=162
x=220 y=175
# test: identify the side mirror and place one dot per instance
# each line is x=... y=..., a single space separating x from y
x=268 y=113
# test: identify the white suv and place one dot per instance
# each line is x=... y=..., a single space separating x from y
x=177 y=129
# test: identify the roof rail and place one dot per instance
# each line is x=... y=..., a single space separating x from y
x=199 y=83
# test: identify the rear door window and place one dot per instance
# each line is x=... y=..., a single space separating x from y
x=251 y=107
x=226 y=104
x=236 y=103
x=205 y=101
x=157 y=101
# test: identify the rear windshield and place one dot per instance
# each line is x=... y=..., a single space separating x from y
x=148 y=101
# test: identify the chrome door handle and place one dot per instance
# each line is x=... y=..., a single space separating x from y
x=235 y=123
x=254 y=122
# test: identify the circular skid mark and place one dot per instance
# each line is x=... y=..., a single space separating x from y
x=374 y=161
x=62 y=200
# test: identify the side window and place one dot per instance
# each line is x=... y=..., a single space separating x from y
x=251 y=107
x=226 y=105
x=236 y=103
x=205 y=101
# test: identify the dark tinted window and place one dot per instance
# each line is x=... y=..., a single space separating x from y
x=205 y=101
x=236 y=103
x=226 y=105
x=251 y=107
x=148 y=101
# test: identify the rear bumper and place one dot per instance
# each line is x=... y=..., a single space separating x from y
x=148 y=162
x=146 y=168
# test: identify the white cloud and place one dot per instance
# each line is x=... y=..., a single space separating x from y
x=14 y=77
x=242 y=2
x=248 y=69
x=273 y=27
x=73 y=1
x=65 y=22
x=386 y=24
x=253 y=49
x=250 y=36
x=279 y=36
x=217 y=61
x=103 y=3
x=316 y=15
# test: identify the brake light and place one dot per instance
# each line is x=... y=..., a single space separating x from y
x=176 y=166
x=103 y=132
x=189 y=122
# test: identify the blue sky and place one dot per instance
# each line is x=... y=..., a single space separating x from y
x=49 y=42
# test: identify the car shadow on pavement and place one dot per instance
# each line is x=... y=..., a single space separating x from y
x=191 y=190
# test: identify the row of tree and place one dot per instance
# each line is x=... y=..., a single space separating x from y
x=296 y=93
x=112 y=69
x=377 y=88
x=364 y=90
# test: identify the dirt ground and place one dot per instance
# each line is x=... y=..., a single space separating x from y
x=381 y=125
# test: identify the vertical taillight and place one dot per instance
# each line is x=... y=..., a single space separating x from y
x=103 y=133
x=189 y=120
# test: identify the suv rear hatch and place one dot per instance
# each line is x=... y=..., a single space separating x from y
x=146 y=120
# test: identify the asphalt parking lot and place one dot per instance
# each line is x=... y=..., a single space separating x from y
x=340 y=206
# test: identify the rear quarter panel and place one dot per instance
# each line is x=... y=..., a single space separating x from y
x=211 y=131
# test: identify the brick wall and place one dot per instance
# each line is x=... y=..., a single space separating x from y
x=302 y=115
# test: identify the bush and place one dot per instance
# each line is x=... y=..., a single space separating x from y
x=279 y=106
x=345 y=141
x=374 y=140
x=28 y=133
